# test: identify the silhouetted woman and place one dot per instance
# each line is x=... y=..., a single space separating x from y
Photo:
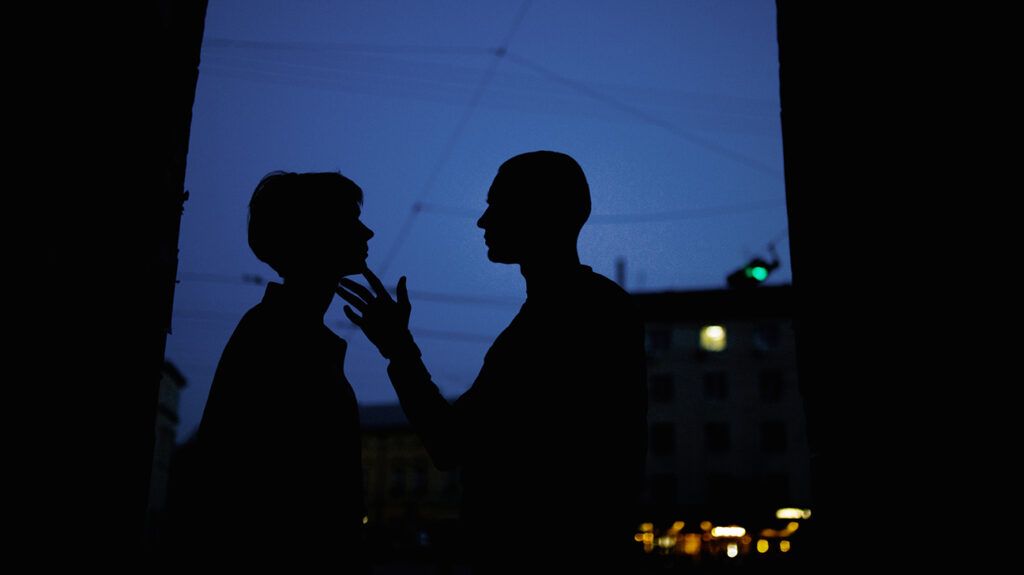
x=281 y=475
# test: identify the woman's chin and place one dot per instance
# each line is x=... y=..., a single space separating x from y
x=354 y=269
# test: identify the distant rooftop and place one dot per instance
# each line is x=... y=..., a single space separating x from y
x=763 y=301
x=382 y=416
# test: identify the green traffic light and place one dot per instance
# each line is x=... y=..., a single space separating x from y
x=759 y=273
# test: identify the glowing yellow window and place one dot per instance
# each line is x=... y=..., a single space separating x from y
x=712 y=338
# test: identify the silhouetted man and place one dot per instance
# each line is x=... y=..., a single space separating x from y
x=281 y=464
x=551 y=436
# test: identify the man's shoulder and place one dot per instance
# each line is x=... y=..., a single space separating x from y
x=598 y=287
x=605 y=302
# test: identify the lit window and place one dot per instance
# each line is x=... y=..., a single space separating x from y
x=712 y=338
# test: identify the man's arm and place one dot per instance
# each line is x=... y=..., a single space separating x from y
x=385 y=322
x=434 y=419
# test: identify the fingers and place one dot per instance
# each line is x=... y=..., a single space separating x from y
x=351 y=298
x=352 y=316
x=359 y=290
x=403 y=292
x=377 y=285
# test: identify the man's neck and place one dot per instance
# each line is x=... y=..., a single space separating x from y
x=544 y=275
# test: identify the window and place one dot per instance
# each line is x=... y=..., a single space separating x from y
x=397 y=480
x=661 y=388
x=713 y=338
x=164 y=447
x=717 y=438
x=715 y=385
x=767 y=337
x=663 y=439
x=722 y=489
x=771 y=384
x=452 y=487
x=419 y=480
x=663 y=488
x=659 y=339
x=773 y=436
x=773 y=488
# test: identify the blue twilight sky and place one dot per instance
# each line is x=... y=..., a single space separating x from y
x=671 y=107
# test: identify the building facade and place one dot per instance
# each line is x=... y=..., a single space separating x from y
x=166 y=432
x=726 y=421
x=412 y=508
x=727 y=441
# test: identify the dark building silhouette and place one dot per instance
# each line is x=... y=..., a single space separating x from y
x=412 y=507
x=401 y=482
x=727 y=437
x=106 y=237
x=726 y=417
x=728 y=442
x=166 y=433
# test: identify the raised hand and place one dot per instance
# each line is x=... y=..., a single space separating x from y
x=384 y=320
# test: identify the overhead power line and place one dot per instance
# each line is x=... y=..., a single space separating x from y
x=216 y=42
x=646 y=117
x=449 y=147
x=447 y=82
x=250 y=279
x=517 y=98
x=630 y=218
x=436 y=334
x=257 y=280
x=778 y=238
x=426 y=333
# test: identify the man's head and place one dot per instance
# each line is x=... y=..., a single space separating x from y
x=308 y=225
x=537 y=205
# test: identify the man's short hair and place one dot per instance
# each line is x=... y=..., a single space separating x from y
x=554 y=180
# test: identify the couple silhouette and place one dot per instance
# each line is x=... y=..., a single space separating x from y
x=550 y=439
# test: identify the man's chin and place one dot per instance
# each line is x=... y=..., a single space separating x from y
x=500 y=258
